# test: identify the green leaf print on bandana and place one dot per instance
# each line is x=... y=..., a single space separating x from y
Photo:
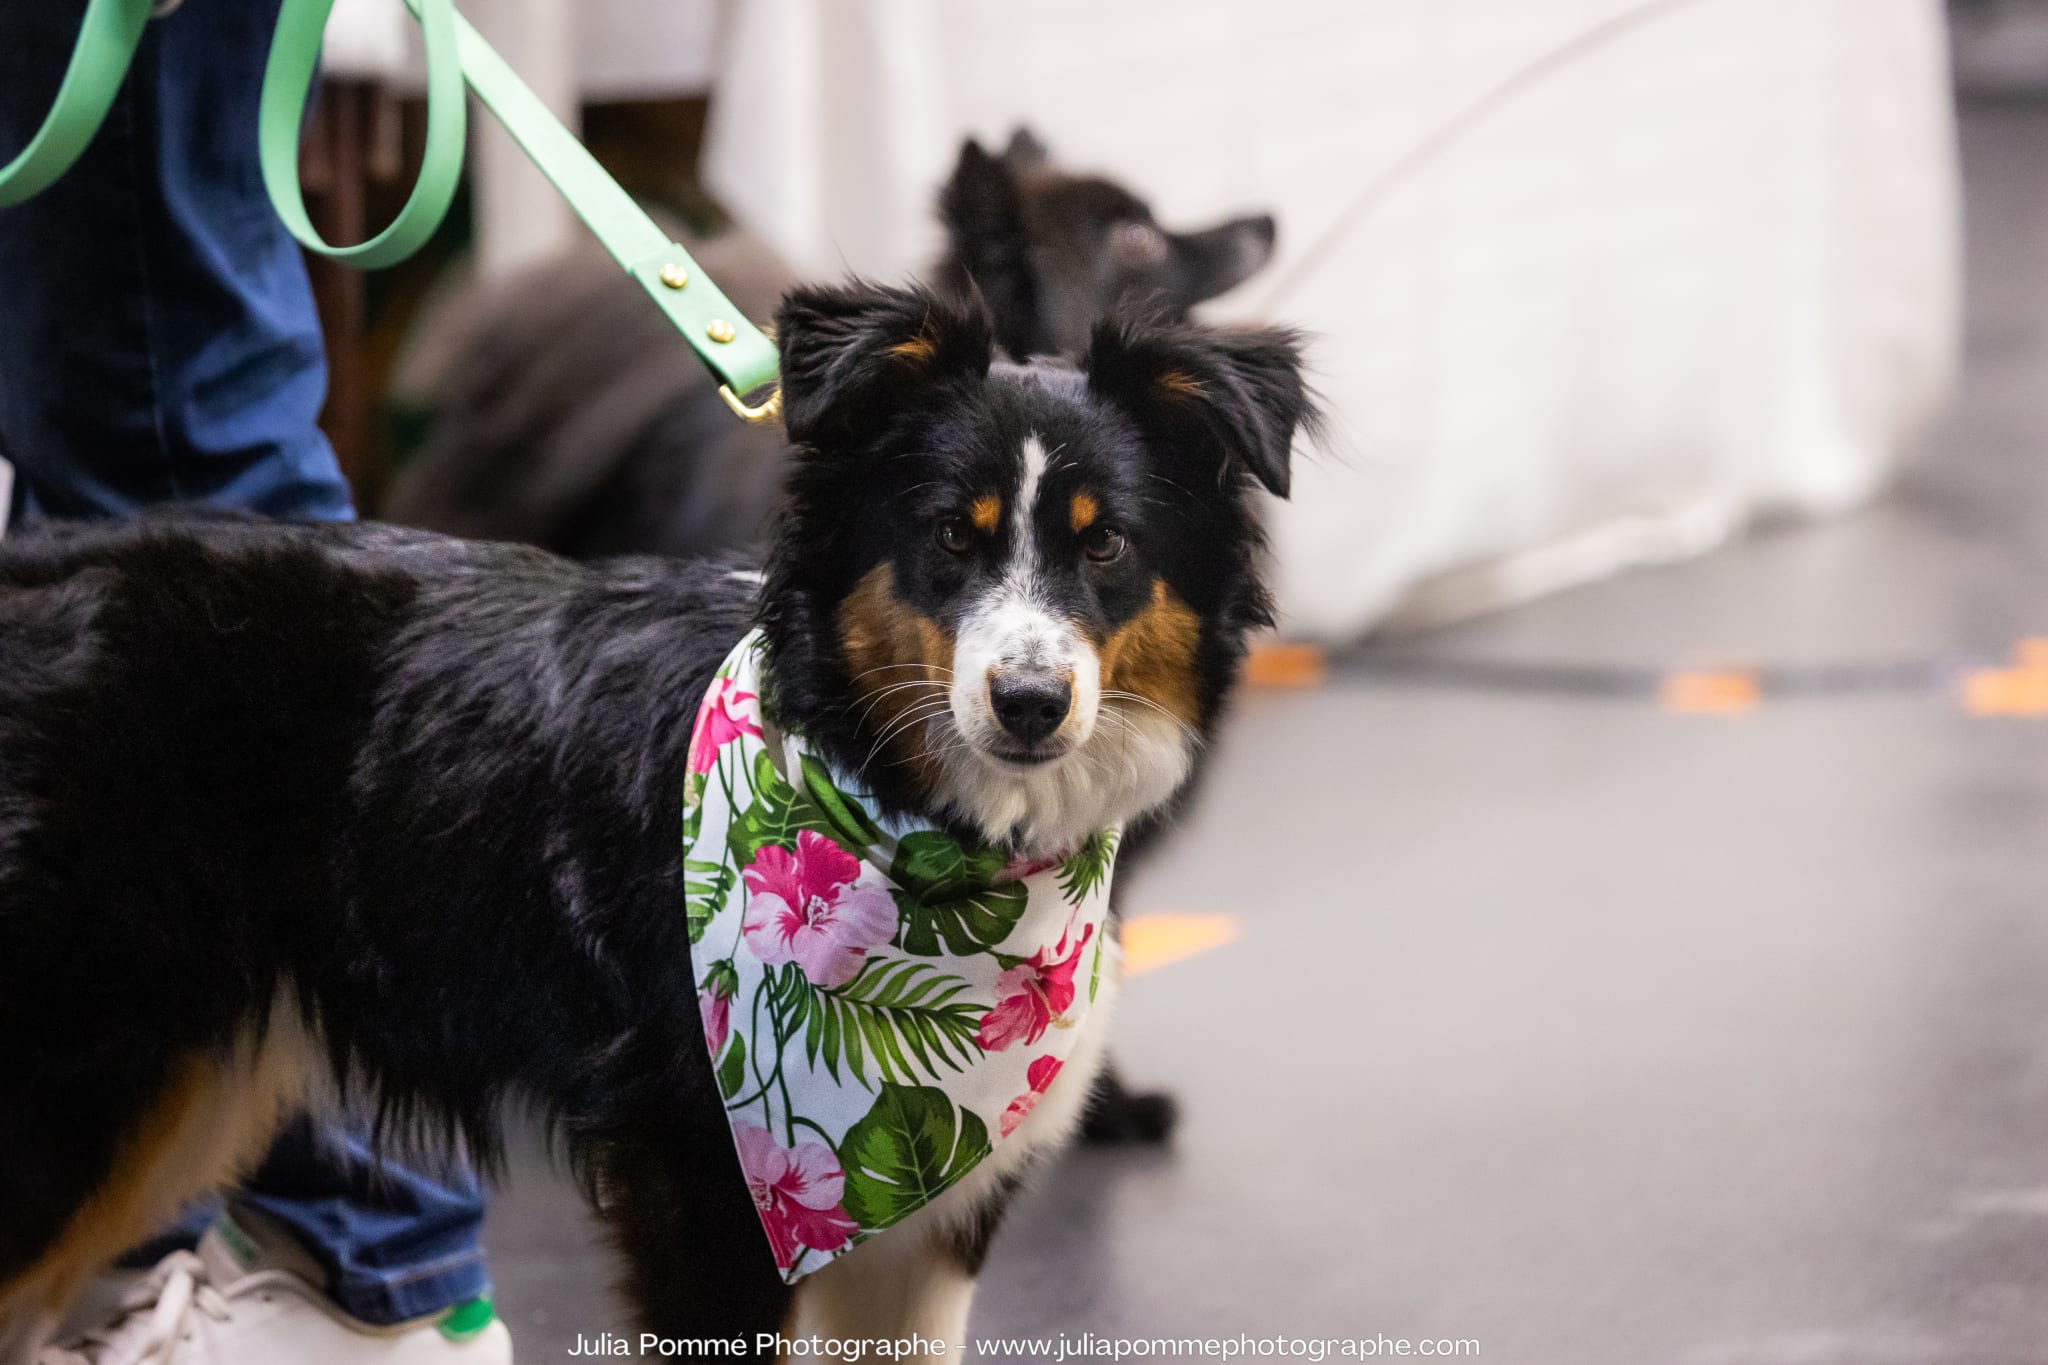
x=951 y=893
x=882 y=1002
x=909 y=1149
x=892 y=1009
x=1089 y=866
x=777 y=815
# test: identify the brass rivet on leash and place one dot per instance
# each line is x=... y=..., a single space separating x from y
x=674 y=276
x=720 y=331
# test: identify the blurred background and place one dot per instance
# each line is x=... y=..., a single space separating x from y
x=1615 y=928
x=1706 y=272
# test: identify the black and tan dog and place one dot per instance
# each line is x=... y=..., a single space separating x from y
x=568 y=421
x=294 y=816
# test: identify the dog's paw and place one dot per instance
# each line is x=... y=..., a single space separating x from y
x=1119 y=1117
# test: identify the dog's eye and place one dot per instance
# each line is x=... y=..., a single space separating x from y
x=955 y=535
x=1103 y=543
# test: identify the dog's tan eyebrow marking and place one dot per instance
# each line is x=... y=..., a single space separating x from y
x=1180 y=384
x=1082 y=513
x=986 y=512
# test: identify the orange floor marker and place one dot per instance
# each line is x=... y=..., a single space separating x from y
x=1276 y=665
x=2007 y=692
x=1734 y=692
x=1155 y=941
x=2021 y=690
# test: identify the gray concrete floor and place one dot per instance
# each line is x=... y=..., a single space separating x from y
x=1590 y=1032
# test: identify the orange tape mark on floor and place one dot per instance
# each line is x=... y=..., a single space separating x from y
x=2021 y=690
x=1155 y=941
x=1273 y=665
x=1734 y=692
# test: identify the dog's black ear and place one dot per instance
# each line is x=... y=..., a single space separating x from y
x=1232 y=397
x=1025 y=151
x=856 y=355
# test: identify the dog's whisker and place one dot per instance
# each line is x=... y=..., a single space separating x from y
x=1186 y=728
x=884 y=668
x=878 y=697
x=917 y=714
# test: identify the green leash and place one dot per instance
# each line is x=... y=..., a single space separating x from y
x=106 y=44
x=733 y=349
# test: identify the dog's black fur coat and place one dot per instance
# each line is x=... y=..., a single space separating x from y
x=430 y=789
x=432 y=784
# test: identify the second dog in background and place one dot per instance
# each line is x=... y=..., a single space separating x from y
x=568 y=418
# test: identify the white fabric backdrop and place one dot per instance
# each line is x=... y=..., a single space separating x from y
x=1710 y=272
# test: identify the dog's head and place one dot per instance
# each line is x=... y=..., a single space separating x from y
x=1053 y=252
x=1016 y=596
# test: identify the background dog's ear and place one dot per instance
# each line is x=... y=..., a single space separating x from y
x=1025 y=151
x=979 y=203
x=983 y=214
x=855 y=355
x=1233 y=397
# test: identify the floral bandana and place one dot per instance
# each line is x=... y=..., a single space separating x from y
x=883 y=1003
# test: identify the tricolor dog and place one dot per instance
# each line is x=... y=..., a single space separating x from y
x=358 y=816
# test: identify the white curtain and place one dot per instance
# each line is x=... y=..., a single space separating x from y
x=1709 y=271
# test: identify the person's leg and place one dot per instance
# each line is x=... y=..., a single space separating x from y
x=158 y=341
x=396 y=1244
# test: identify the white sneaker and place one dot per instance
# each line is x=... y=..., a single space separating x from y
x=232 y=1305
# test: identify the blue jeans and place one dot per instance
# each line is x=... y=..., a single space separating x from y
x=158 y=343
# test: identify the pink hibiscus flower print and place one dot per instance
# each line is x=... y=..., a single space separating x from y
x=1039 y=1076
x=796 y=1191
x=714 y=1004
x=727 y=714
x=717 y=1012
x=1032 y=994
x=819 y=907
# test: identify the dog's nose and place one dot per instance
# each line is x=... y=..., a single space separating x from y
x=1030 y=703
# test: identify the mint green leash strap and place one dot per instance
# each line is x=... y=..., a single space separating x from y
x=733 y=349
x=730 y=346
x=106 y=44
x=288 y=83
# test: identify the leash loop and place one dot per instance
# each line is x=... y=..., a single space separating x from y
x=738 y=355
x=288 y=84
x=106 y=44
x=733 y=349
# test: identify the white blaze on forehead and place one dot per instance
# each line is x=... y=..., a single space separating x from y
x=1014 y=624
x=1021 y=514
